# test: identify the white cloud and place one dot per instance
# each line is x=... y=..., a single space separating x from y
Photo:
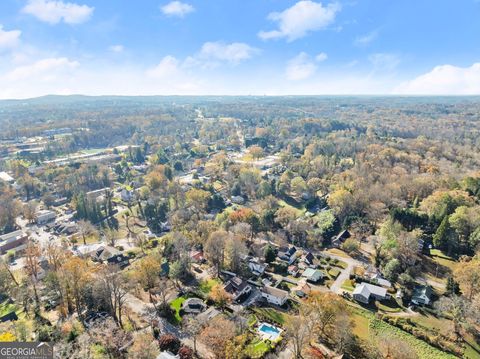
x=444 y=80
x=177 y=8
x=384 y=62
x=116 y=48
x=45 y=69
x=233 y=53
x=366 y=39
x=9 y=39
x=303 y=17
x=53 y=12
x=321 y=57
x=167 y=67
x=300 y=67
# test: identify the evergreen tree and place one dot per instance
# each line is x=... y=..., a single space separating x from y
x=440 y=238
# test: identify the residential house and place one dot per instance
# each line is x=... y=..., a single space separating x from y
x=377 y=278
x=308 y=258
x=340 y=238
x=238 y=288
x=288 y=254
x=206 y=316
x=197 y=256
x=96 y=194
x=256 y=267
x=274 y=295
x=16 y=240
x=44 y=216
x=66 y=228
x=193 y=306
x=110 y=255
x=293 y=270
x=422 y=295
x=302 y=289
x=364 y=292
x=313 y=275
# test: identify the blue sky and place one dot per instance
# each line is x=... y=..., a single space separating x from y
x=245 y=47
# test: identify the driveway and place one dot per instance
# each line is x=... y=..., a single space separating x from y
x=336 y=287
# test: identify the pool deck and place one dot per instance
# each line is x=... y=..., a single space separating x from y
x=271 y=335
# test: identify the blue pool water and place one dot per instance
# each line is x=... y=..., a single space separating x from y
x=267 y=329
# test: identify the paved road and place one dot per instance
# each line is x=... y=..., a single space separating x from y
x=336 y=287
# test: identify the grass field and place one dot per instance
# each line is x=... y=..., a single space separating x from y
x=207 y=285
x=258 y=348
x=348 y=285
x=333 y=273
x=388 y=306
x=6 y=308
x=299 y=209
x=176 y=305
x=272 y=314
x=367 y=327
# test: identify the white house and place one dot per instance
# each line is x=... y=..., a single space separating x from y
x=364 y=292
x=422 y=295
x=94 y=195
x=45 y=216
x=274 y=295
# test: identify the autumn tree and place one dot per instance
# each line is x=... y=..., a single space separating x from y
x=147 y=271
x=220 y=296
x=467 y=275
x=217 y=335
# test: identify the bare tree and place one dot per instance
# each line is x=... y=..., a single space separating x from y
x=193 y=327
x=114 y=287
x=32 y=268
x=85 y=229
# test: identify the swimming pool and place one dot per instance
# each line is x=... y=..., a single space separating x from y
x=269 y=332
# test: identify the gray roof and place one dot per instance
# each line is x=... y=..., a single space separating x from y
x=276 y=292
x=366 y=289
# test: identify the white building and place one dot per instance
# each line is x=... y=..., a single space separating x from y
x=274 y=295
x=45 y=216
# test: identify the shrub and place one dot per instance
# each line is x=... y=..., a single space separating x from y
x=185 y=353
x=169 y=342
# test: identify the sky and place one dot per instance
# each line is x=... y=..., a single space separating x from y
x=239 y=47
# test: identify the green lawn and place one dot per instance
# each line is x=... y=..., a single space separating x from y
x=206 y=286
x=340 y=264
x=348 y=285
x=6 y=308
x=300 y=210
x=272 y=314
x=176 y=305
x=389 y=306
x=368 y=327
x=440 y=254
x=258 y=348
x=333 y=273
